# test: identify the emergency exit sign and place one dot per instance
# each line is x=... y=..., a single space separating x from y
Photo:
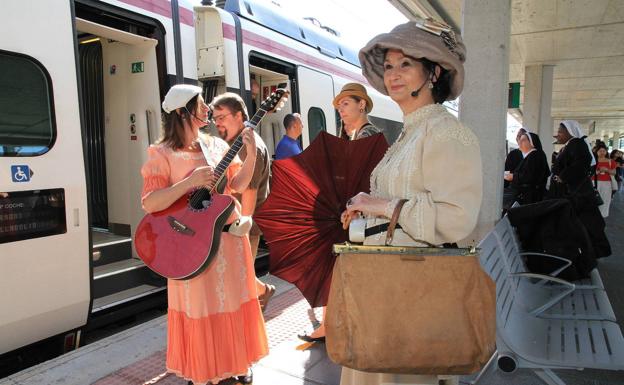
x=138 y=67
x=514 y=95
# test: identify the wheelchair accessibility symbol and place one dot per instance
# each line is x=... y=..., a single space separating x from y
x=21 y=173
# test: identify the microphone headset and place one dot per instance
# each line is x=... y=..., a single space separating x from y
x=415 y=93
x=194 y=116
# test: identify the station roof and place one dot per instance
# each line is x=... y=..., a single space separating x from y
x=584 y=39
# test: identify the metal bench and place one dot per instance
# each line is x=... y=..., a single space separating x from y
x=539 y=336
x=550 y=299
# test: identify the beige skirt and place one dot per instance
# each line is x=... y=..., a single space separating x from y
x=355 y=377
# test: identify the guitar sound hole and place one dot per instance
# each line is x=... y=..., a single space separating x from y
x=200 y=199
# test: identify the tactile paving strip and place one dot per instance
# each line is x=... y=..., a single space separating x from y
x=286 y=315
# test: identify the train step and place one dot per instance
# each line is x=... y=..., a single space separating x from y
x=121 y=297
x=122 y=275
x=118 y=267
x=109 y=247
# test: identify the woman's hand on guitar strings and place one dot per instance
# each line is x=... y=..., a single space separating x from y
x=202 y=176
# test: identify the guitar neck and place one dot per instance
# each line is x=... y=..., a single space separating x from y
x=237 y=145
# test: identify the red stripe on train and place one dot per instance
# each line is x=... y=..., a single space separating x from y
x=163 y=8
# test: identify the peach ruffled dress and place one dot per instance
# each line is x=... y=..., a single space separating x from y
x=215 y=326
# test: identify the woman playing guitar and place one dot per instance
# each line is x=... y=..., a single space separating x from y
x=215 y=326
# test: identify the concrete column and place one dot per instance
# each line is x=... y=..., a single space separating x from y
x=483 y=103
x=536 y=114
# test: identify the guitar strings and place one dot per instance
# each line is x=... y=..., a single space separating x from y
x=197 y=197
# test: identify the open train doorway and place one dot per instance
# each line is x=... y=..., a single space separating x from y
x=120 y=100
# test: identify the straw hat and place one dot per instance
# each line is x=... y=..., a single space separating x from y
x=354 y=89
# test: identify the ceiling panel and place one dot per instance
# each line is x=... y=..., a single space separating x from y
x=583 y=39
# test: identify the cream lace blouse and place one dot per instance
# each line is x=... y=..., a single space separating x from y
x=436 y=165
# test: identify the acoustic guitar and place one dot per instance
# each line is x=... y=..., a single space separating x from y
x=181 y=241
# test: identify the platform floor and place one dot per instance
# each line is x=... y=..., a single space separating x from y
x=137 y=355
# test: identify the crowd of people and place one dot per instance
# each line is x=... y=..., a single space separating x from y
x=216 y=329
x=527 y=172
x=578 y=187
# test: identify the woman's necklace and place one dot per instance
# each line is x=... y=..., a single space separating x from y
x=193 y=146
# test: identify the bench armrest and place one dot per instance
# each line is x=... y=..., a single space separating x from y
x=555 y=273
x=553 y=301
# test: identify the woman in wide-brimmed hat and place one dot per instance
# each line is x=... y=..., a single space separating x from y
x=353 y=105
x=419 y=65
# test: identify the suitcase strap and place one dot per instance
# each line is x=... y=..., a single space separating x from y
x=379 y=229
x=394 y=220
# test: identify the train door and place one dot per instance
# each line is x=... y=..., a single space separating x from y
x=44 y=228
x=271 y=128
x=121 y=104
x=316 y=93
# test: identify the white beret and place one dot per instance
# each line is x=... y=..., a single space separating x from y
x=178 y=96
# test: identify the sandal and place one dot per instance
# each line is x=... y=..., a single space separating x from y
x=264 y=298
x=307 y=338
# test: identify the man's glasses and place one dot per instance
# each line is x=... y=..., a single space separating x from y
x=219 y=119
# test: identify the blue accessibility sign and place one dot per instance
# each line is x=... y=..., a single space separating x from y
x=20 y=173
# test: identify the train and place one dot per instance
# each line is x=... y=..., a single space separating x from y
x=82 y=83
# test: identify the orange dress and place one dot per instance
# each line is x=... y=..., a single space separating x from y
x=215 y=326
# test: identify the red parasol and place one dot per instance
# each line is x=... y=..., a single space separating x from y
x=300 y=219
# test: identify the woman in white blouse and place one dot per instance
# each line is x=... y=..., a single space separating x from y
x=419 y=65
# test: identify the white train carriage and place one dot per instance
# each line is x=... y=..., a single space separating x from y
x=80 y=96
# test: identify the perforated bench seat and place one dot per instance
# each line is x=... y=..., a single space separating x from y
x=544 y=322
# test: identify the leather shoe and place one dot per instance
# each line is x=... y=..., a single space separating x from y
x=229 y=381
x=247 y=379
x=307 y=338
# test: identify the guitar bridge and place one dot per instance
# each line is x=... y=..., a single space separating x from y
x=179 y=226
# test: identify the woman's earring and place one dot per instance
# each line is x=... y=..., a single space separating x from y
x=430 y=86
x=361 y=110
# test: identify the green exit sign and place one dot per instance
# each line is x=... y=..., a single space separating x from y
x=138 y=67
x=514 y=95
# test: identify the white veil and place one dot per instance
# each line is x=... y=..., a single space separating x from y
x=574 y=128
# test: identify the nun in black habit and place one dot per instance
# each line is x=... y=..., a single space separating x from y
x=570 y=180
x=514 y=157
x=528 y=180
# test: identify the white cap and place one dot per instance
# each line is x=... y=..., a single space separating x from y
x=178 y=96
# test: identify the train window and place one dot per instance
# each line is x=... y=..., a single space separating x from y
x=27 y=126
x=390 y=128
x=316 y=122
x=31 y=214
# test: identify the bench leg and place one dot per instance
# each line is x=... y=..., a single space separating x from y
x=485 y=368
x=549 y=377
